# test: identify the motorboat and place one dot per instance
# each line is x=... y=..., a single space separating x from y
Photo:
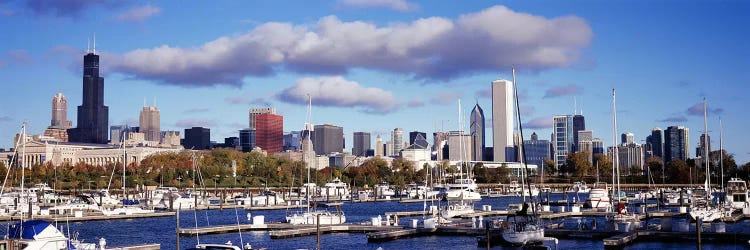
x=311 y=217
x=336 y=189
x=736 y=196
x=701 y=207
x=462 y=189
x=311 y=187
x=454 y=209
x=42 y=235
x=579 y=187
x=264 y=198
x=599 y=197
x=384 y=190
x=82 y=203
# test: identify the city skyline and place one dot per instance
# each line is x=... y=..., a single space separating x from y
x=660 y=77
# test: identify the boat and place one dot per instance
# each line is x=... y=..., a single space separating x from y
x=83 y=203
x=456 y=209
x=579 y=187
x=336 y=189
x=599 y=197
x=523 y=228
x=531 y=191
x=264 y=198
x=21 y=201
x=384 y=190
x=736 y=196
x=42 y=235
x=311 y=216
x=225 y=246
x=701 y=206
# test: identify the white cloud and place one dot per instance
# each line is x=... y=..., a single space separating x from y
x=433 y=48
x=138 y=14
x=336 y=91
x=399 y=5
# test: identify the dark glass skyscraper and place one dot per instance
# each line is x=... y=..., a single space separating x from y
x=413 y=136
x=93 y=116
x=579 y=124
x=655 y=142
x=476 y=128
x=676 y=143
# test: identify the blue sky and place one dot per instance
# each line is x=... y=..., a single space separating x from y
x=373 y=65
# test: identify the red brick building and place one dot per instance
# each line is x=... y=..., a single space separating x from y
x=269 y=132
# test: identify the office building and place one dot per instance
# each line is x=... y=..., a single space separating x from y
x=170 y=138
x=700 y=151
x=458 y=146
x=630 y=158
x=379 y=147
x=257 y=111
x=676 y=143
x=627 y=138
x=293 y=140
x=269 y=132
x=536 y=150
x=93 y=117
x=476 y=130
x=361 y=143
x=328 y=139
x=247 y=140
x=150 y=123
x=197 y=138
x=502 y=120
x=579 y=124
x=397 y=140
x=413 y=136
x=655 y=142
x=585 y=143
x=563 y=139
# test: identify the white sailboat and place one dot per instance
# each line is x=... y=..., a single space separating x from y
x=312 y=217
x=21 y=201
x=624 y=220
x=701 y=206
x=461 y=193
x=127 y=209
x=523 y=228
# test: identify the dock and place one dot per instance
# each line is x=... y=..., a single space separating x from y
x=305 y=230
x=58 y=218
x=139 y=247
x=621 y=240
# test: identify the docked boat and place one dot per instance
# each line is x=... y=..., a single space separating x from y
x=579 y=187
x=520 y=232
x=701 y=205
x=599 y=197
x=225 y=246
x=42 y=235
x=336 y=189
x=464 y=189
x=736 y=196
x=385 y=190
x=83 y=203
x=264 y=198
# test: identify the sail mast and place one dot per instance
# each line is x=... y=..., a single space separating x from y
x=615 y=153
x=521 y=146
x=721 y=153
x=707 y=184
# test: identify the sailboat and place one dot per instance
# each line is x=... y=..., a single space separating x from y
x=522 y=228
x=460 y=194
x=701 y=207
x=310 y=216
x=128 y=206
x=22 y=201
x=623 y=217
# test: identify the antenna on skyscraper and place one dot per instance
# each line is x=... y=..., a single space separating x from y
x=94 y=43
x=88 y=45
x=575 y=106
x=144 y=102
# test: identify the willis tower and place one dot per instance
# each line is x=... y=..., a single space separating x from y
x=93 y=116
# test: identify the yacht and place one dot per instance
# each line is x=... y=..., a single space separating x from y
x=599 y=197
x=336 y=189
x=82 y=203
x=383 y=190
x=520 y=232
x=579 y=187
x=737 y=193
x=456 y=209
x=264 y=198
x=42 y=235
x=463 y=189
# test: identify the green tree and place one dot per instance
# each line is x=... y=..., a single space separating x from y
x=578 y=164
x=678 y=172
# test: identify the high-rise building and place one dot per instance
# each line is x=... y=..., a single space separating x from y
x=379 y=150
x=585 y=143
x=655 y=142
x=598 y=146
x=269 y=132
x=170 y=138
x=476 y=128
x=308 y=149
x=361 y=143
x=93 y=116
x=579 y=124
x=293 y=140
x=328 y=139
x=630 y=158
x=502 y=120
x=676 y=143
x=247 y=140
x=116 y=134
x=257 y=111
x=536 y=150
x=439 y=140
x=413 y=136
x=397 y=140
x=458 y=146
x=627 y=138
x=60 y=112
x=700 y=151
x=59 y=126
x=197 y=138
x=388 y=149
x=563 y=140
x=150 y=123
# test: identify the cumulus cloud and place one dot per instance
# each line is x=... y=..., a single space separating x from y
x=567 y=90
x=138 y=14
x=443 y=98
x=399 y=5
x=415 y=103
x=20 y=56
x=434 y=48
x=676 y=118
x=539 y=123
x=68 y=8
x=189 y=123
x=697 y=110
x=335 y=91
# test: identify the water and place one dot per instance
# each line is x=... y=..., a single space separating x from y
x=162 y=230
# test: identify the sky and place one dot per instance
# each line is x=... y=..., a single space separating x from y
x=374 y=65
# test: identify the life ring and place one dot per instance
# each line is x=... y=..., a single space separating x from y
x=450 y=207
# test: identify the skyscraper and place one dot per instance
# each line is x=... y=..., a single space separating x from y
x=413 y=136
x=60 y=112
x=476 y=128
x=585 y=143
x=361 y=143
x=397 y=140
x=655 y=142
x=700 y=151
x=379 y=150
x=328 y=139
x=256 y=111
x=197 y=138
x=269 y=132
x=536 y=150
x=150 y=123
x=562 y=136
x=676 y=143
x=93 y=116
x=628 y=138
x=502 y=120
x=293 y=140
x=579 y=124
x=458 y=146
x=247 y=140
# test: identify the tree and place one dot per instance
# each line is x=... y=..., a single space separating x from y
x=604 y=164
x=655 y=166
x=678 y=171
x=578 y=164
x=550 y=167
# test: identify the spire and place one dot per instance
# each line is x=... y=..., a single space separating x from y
x=144 y=102
x=575 y=106
x=94 y=43
x=88 y=45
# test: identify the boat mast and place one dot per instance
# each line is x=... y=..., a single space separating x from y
x=707 y=184
x=615 y=153
x=23 y=157
x=521 y=146
x=721 y=153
